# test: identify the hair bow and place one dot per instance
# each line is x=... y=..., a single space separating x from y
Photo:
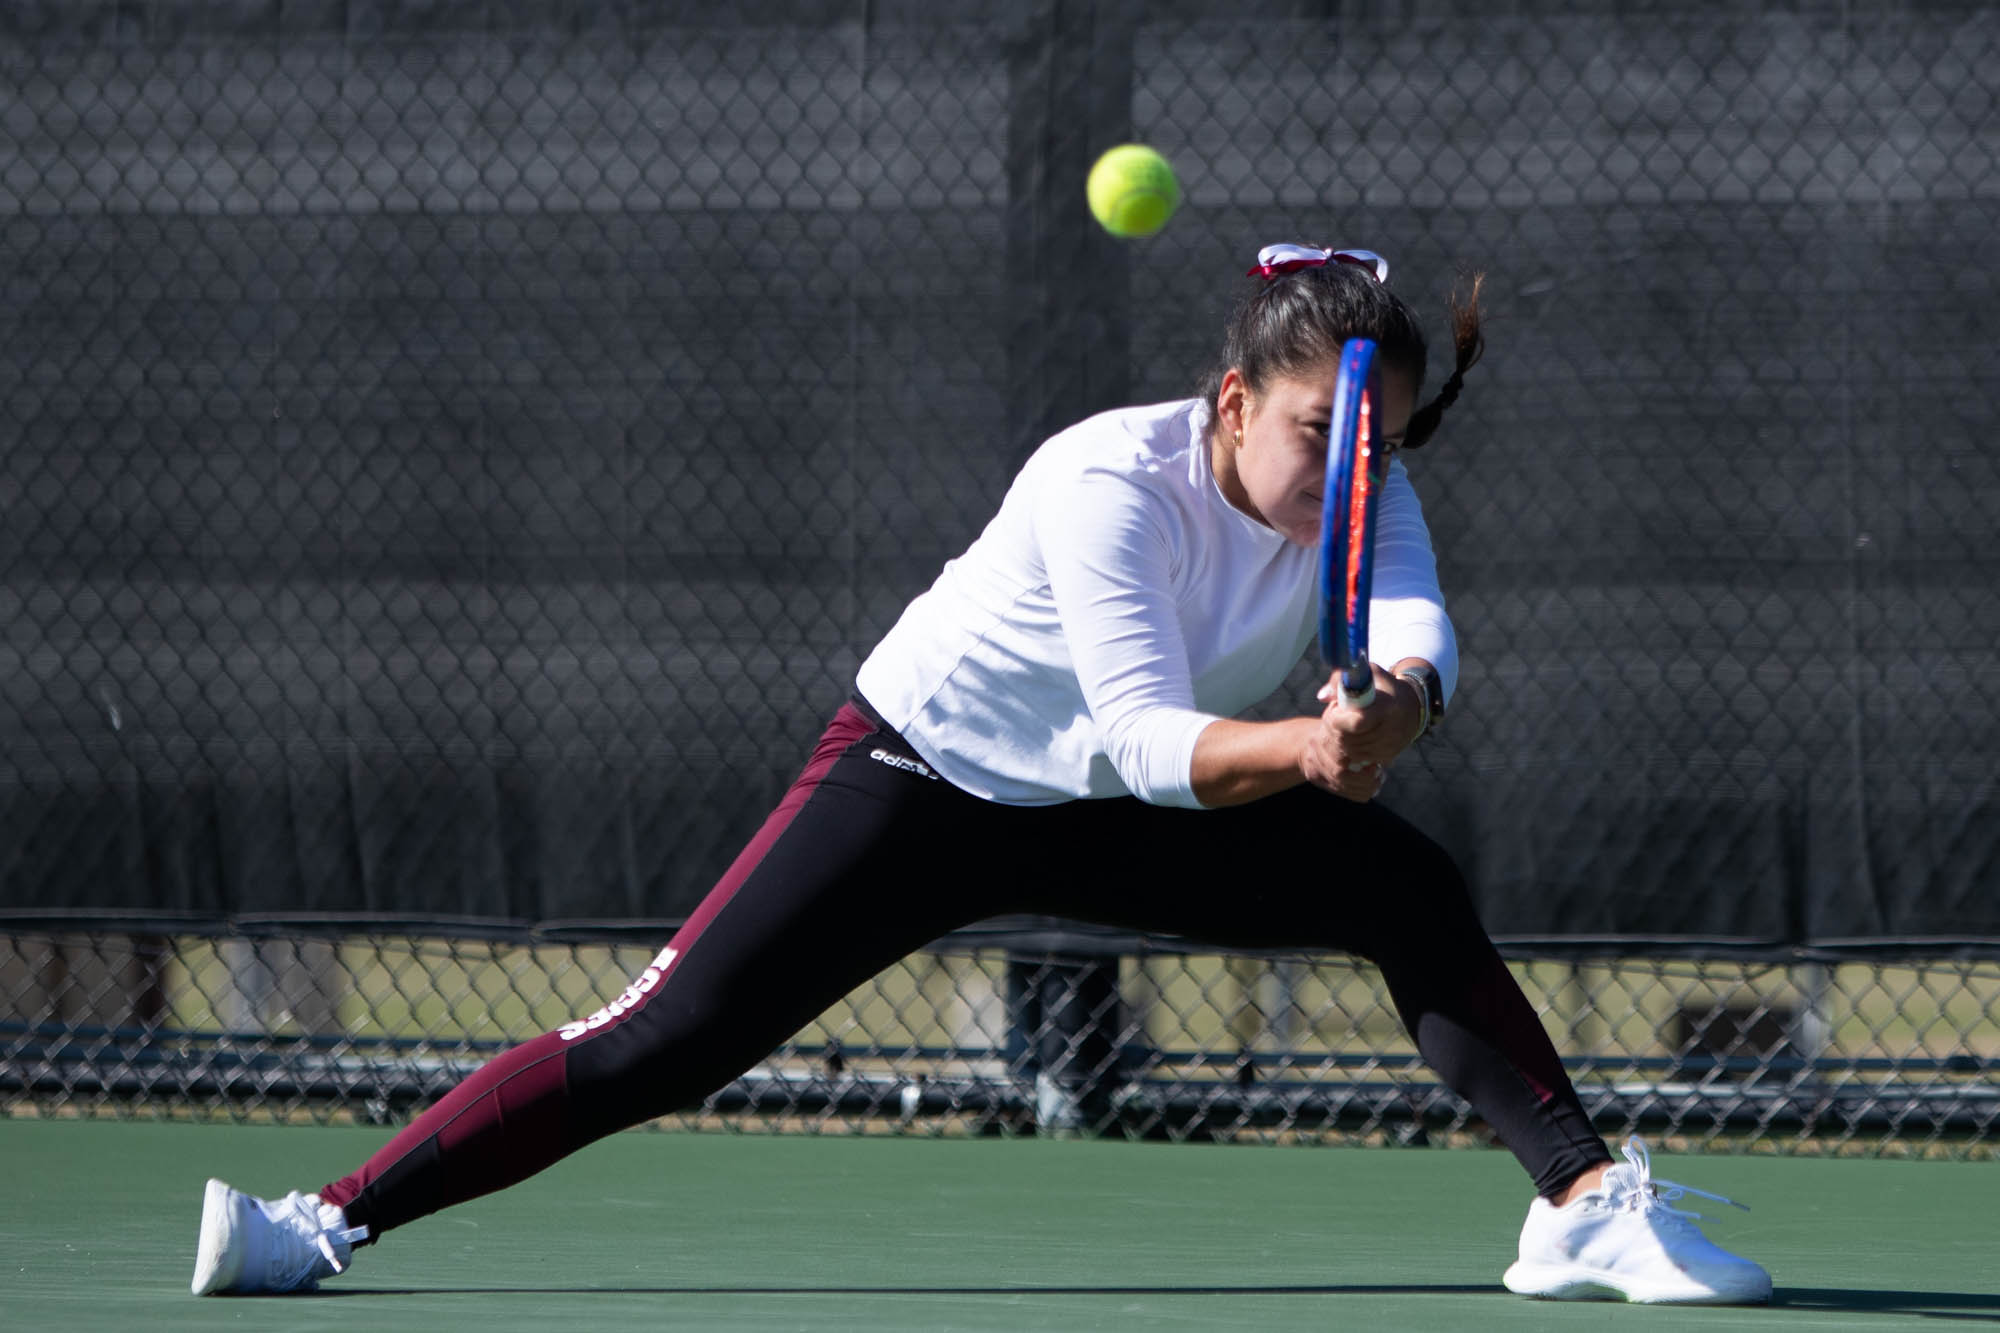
x=1273 y=260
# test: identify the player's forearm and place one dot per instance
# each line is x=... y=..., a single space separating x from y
x=1237 y=761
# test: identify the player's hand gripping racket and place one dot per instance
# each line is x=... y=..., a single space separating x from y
x=1357 y=461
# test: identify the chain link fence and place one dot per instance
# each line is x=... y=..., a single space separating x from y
x=1007 y=1029
x=457 y=454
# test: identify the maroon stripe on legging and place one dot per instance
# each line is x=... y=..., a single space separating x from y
x=509 y=1119
x=847 y=727
x=1519 y=1034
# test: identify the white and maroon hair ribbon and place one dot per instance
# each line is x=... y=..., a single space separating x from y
x=1273 y=260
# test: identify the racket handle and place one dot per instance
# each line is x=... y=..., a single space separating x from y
x=1360 y=698
x=1355 y=684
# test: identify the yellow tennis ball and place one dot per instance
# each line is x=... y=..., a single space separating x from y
x=1132 y=190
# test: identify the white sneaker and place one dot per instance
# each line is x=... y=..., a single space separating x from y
x=250 y=1244
x=1622 y=1242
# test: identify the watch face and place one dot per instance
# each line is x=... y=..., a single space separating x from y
x=1434 y=686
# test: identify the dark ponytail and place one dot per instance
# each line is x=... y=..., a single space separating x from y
x=1468 y=342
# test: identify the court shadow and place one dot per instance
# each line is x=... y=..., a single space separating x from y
x=1013 y=1289
x=1977 y=1306
x=1983 y=1306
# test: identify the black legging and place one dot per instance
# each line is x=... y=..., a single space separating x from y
x=870 y=856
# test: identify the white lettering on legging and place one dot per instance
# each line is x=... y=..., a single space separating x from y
x=633 y=993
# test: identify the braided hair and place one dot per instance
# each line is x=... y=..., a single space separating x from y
x=1468 y=342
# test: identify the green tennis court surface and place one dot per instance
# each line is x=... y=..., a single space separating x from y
x=98 y=1221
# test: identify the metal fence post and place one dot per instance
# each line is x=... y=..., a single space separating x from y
x=1064 y=1020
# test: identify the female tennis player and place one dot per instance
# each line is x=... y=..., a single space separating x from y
x=1049 y=729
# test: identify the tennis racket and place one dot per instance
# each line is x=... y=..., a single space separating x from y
x=1356 y=463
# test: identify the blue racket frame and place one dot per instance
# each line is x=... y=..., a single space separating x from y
x=1356 y=464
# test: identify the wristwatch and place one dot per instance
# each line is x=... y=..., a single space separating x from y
x=1431 y=690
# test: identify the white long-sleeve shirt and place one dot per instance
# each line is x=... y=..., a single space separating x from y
x=1116 y=606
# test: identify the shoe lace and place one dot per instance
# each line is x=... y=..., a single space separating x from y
x=1633 y=1187
x=305 y=1243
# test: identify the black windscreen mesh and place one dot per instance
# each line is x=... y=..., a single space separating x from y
x=456 y=456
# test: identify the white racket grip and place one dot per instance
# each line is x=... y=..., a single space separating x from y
x=1360 y=698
